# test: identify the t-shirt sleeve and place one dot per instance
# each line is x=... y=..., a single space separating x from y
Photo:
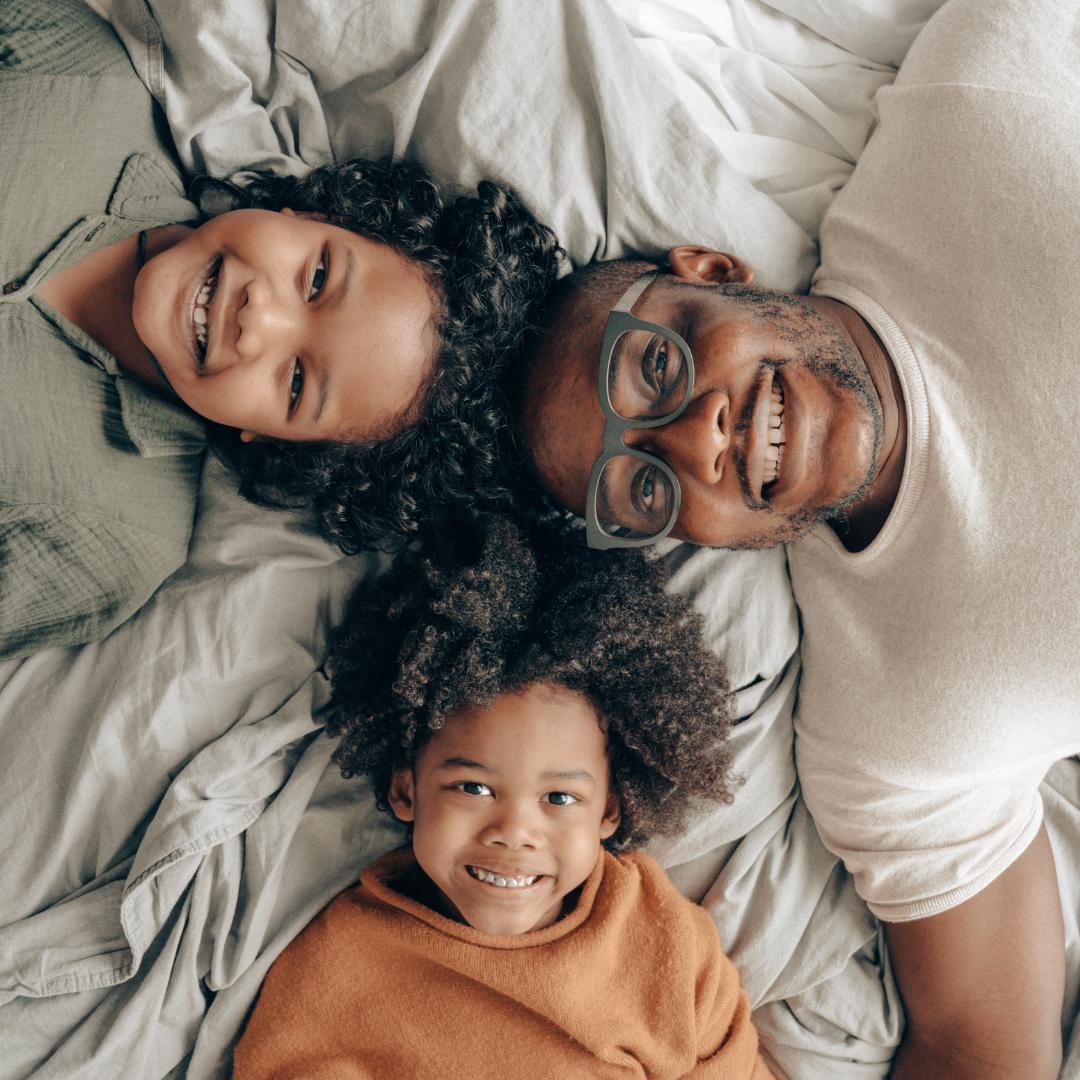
x=68 y=578
x=914 y=851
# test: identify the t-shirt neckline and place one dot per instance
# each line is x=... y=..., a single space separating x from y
x=916 y=409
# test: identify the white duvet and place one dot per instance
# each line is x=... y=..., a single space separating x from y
x=170 y=818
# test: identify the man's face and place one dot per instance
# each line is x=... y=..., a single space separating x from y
x=509 y=804
x=753 y=351
x=289 y=327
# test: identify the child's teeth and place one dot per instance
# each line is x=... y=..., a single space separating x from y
x=503 y=882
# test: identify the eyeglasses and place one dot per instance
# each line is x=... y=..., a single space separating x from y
x=646 y=380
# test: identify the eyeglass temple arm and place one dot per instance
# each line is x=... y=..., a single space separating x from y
x=630 y=297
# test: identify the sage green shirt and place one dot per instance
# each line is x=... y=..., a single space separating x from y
x=98 y=474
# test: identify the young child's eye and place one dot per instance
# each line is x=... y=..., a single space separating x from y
x=473 y=787
x=561 y=798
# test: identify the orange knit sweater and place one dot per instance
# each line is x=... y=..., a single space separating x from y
x=631 y=983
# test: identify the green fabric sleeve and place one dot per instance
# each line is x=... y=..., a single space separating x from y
x=67 y=578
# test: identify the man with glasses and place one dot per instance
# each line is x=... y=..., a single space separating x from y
x=908 y=429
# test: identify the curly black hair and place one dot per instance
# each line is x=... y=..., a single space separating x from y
x=488 y=262
x=504 y=605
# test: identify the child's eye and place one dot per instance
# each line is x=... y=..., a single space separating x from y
x=296 y=386
x=318 y=279
x=561 y=798
x=473 y=787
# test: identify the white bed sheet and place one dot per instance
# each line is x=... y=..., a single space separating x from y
x=170 y=820
x=629 y=127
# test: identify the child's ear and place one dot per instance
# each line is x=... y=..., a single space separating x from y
x=402 y=794
x=612 y=816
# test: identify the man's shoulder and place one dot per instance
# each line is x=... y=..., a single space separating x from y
x=1020 y=46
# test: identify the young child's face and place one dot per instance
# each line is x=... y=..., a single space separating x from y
x=515 y=792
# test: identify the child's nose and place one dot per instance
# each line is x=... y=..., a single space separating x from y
x=514 y=827
x=265 y=323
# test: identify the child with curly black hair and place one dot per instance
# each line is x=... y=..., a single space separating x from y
x=522 y=711
x=484 y=262
x=337 y=336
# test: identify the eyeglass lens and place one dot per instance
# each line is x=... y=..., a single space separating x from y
x=647 y=375
x=634 y=497
x=647 y=380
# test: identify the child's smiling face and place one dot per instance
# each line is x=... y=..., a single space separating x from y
x=516 y=792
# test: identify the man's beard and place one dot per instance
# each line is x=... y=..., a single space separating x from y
x=824 y=352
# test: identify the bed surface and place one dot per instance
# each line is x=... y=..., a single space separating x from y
x=171 y=819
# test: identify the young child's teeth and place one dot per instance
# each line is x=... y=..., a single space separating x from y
x=502 y=882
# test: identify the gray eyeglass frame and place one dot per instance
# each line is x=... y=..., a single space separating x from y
x=620 y=320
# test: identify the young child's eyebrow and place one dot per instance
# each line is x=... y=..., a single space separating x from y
x=552 y=774
x=462 y=763
x=569 y=774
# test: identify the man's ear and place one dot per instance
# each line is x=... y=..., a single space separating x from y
x=612 y=816
x=702 y=264
x=402 y=794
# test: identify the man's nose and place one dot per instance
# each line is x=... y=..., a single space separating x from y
x=696 y=443
x=266 y=322
x=513 y=826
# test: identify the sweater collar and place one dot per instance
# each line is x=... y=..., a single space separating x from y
x=378 y=880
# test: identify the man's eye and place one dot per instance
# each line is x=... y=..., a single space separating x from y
x=650 y=493
x=318 y=278
x=661 y=365
x=645 y=489
x=296 y=386
x=473 y=787
x=660 y=362
x=561 y=798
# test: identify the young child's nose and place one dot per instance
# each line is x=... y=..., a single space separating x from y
x=513 y=828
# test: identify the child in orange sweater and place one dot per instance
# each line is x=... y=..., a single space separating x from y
x=527 y=713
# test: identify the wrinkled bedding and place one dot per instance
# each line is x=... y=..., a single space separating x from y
x=170 y=818
x=629 y=127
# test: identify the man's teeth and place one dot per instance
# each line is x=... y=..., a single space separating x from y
x=500 y=881
x=201 y=313
x=774 y=452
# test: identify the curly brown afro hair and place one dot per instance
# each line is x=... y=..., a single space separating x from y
x=501 y=606
x=489 y=262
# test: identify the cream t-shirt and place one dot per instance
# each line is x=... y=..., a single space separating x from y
x=942 y=664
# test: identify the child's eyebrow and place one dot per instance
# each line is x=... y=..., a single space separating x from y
x=462 y=763
x=569 y=774
x=553 y=774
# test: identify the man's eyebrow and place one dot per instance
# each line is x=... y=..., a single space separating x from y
x=604 y=498
x=618 y=352
x=462 y=763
